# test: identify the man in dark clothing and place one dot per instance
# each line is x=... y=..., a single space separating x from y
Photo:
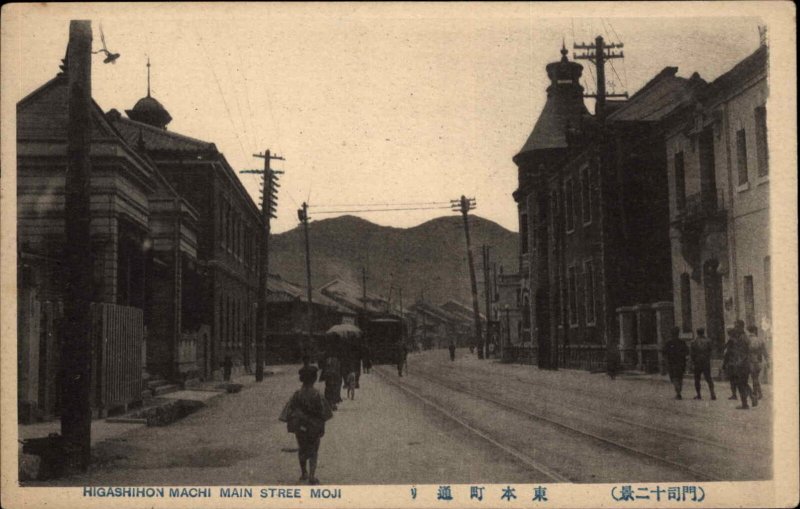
x=675 y=351
x=741 y=364
x=308 y=368
x=727 y=363
x=452 y=349
x=402 y=353
x=701 y=362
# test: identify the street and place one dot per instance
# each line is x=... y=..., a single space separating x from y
x=455 y=422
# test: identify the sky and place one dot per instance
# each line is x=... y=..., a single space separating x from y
x=372 y=105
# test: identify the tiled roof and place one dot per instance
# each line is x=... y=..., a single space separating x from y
x=352 y=296
x=748 y=68
x=280 y=290
x=158 y=140
x=663 y=94
x=462 y=310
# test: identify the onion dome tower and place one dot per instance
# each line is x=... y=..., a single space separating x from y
x=148 y=110
x=564 y=109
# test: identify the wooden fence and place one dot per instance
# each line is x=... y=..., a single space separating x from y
x=118 y=334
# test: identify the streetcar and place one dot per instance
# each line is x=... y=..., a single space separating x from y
x=383 y=337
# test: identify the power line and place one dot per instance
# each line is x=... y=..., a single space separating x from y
x=378 y=210
x=222 y=95
x=381 y=204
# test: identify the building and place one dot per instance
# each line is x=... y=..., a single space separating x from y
x=220 y=309
x=435 y=327
x=718 y=161
x=594 y=230
x=142 y=232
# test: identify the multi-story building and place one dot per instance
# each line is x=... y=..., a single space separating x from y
x=141 y=229
x=229 y=226
x=718 y=161
x=594 y=227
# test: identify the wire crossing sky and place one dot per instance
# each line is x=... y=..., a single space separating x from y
x=384 y=103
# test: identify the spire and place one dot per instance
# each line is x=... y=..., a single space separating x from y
x=564 y=51
x=148 y=76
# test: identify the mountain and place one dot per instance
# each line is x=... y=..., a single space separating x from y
x=429 y=257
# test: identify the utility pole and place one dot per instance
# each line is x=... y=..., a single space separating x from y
x=464 y=205
x=487 y=287
x=269 y=203
x=598 y=53
x=402 y=323
x=364 y=287
x=76 y=347
x=302 y=215
x=424 y=325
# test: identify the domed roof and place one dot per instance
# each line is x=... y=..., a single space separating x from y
x=564 y=107
x=150 y=111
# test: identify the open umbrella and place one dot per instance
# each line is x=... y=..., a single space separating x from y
x=345 y=330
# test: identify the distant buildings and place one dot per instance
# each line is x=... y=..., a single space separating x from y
x=665 y=190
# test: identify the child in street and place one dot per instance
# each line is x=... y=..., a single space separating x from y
x=305 y=415
x=351 y=385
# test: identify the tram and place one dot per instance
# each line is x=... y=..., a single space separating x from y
x=383 y=337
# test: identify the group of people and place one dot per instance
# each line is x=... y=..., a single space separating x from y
x=307 y=411
x=745 y=355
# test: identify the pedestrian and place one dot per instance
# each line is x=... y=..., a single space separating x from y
x=305 y=415
x=727 y=363
x=452 y=349
x=367 y=359
x=612 y=360
x=350 y=383
x=675 y=351
x=402 y=355
x=758 y=354
x=471 y=348
x=308 y=367
x=701 y=362
x=227 y=366
x=333 y=381
x=741 y=365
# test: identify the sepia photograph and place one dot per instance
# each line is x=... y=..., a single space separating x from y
x=396 y=254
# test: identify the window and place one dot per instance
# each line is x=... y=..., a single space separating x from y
x=680 y=183
x=589 y=291
x=569 y=197
x=741 y=156
x=586 y=196
x=749 y=302
x=761 y=141
x=572 y=281
x=686 y=303
x=768 y=286
x=523 y=232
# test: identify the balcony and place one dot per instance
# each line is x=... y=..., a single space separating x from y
x=703 y=214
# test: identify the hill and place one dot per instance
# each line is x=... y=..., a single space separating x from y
x=429 y=257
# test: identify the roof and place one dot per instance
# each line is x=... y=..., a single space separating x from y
x=662 y=95
x=351 y=295
x=157 y=139
x=280 y=290
x=432 y=310
x=459 y=309
x=752 y=66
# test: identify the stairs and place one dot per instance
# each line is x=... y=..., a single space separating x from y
x=158 y=386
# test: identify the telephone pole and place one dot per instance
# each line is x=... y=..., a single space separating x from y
x=464 y=205
x=269 y=203
x=364 y=287
x=76 y=346
x=302 y=215
x=487 y=287
x=598 y=53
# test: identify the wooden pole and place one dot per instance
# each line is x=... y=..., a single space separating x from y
x=76 y=348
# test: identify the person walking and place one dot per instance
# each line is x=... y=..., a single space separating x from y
x=612 y=360
x=402 y=354
x=333 y=381
x=758 y=354
x=452 y=348
x=741 y=365
x=727 y=364
x=701 y=362
x=308 y=367
x=675 y=351
x=305 y=415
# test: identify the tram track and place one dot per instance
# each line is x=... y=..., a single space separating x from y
x=585 y=434
x=521 y=457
